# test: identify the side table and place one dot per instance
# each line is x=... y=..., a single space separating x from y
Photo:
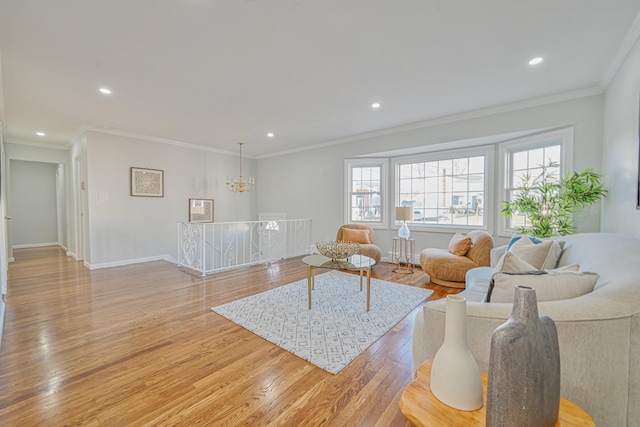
x=422 y=408
x=404 y=251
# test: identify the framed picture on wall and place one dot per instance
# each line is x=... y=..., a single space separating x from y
x=147 y=182
x=200 y=210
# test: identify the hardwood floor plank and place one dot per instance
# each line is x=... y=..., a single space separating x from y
x=139 y=345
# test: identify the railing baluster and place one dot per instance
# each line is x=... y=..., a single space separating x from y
x=237 y=244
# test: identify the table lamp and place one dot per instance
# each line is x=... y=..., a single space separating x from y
x=403 y=213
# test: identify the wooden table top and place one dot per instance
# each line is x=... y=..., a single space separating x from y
x=422 y=408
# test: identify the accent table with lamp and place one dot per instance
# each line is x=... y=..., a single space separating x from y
x=404 y=249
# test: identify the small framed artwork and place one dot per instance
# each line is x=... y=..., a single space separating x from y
x=147 y=182
x=200 y=210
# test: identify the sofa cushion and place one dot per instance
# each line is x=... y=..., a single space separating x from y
x=354 y=235
x=550 y=285
x=512 y=263
x=459 y=244
x=540 y=254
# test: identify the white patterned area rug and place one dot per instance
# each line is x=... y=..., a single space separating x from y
x=337 y=328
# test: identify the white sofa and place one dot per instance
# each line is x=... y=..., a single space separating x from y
x=598 y=333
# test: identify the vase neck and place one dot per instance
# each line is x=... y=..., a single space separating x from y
x=525 y=305
x=455 y=330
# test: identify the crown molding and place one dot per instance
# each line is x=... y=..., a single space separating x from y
x=156 y=139
x=38 y=144
x=623 y=51
x=484 y=112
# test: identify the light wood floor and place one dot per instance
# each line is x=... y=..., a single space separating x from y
x=139 y=345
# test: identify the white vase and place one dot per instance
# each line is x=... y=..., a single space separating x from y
x=455 y=376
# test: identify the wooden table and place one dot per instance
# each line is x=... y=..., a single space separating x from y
x=422 y=408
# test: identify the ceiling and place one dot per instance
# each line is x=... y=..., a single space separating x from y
x=214 y=72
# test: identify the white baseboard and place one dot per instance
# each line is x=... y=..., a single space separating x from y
x=2 y=305
x=121 y=263
x=35 y=245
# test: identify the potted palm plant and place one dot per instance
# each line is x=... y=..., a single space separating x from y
x=548 y=201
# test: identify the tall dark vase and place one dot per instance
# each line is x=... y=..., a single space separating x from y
x=524 y=368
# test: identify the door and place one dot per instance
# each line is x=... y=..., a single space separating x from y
x=3 y=235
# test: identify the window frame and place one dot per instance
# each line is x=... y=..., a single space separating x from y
x=563 y=137
x=488 y=151
x=384 y=208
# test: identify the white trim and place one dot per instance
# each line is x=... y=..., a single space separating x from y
x=35 y=245
x=121 y=263
x=167 y=141
x=621 y=54
x=488 y=151
x=565 y=139
x=474 y=114
x=2 y=311
x=385 y=201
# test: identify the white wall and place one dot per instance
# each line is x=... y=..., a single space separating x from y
x=620 y=148
x=311 y=183
x=56 y=157
x=32 y=198
x=125 y=229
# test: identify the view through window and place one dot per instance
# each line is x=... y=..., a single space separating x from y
x=444 y=191
x=527 y=164
x=365 y=195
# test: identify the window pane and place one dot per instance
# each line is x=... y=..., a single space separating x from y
x=520 y=160
x=444 y=192
x=536 y=158
x=529 y=164
x=365 y=199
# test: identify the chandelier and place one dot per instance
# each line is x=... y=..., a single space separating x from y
x=239 y=185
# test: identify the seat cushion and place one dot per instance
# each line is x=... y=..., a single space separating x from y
x=372 y=251
x=443 y=265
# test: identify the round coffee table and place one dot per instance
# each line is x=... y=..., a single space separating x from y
x=355 y=262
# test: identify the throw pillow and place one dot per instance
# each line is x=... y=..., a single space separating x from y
x=355 y=235
x=541 y=254
x=459 y=245
x=511 y=263
x=553 y=285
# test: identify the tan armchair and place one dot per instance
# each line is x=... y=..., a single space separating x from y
x=447 y=269
x=368 y=245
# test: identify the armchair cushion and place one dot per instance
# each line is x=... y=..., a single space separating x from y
x=459 y=245
x=358 y=236
x=369 y=249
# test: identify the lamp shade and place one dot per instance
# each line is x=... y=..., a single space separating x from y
x=403 y=213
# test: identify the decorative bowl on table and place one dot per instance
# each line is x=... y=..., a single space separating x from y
x=337 y=249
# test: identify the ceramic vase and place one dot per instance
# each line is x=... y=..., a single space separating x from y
x=455 y=377
x=524 y=367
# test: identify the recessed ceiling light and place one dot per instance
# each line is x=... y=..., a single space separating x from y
x=270 y=135
x=40 y=133
x=536 y=60
x=375 y=105
x=105 y=91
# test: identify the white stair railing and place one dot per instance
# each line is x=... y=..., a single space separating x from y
x=214 y=246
